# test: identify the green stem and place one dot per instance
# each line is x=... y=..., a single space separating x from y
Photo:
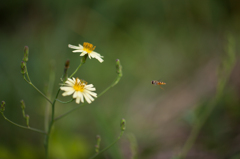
x=66 y=101
x=105 y=149
x=112 y=85
x=29 y=82
x=46 y=143
x=27 y=74
x=63 y=115
x=76 y=70
x=49 y=94
x=21 y=126
x=50 y=125
x=80 y=106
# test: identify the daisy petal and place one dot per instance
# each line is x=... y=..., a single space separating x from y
x=97 y=56
x=91 y=89
x=75 y=95
x=86 y=97
x=72 y=46
x=83 y=53
x=80 y=46
x=89 y=56
x=77 y=51
x=82 y=99
x=68 y=93
x=89 y=86
x=78 y=100
x=89 y=97
x=66 y=88
x=69 y=79
x=91 y=93
x=70 y=83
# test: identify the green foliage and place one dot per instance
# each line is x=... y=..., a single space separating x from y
x=170 y=40
x=64 y=145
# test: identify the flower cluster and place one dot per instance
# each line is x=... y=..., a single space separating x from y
x=79 y=88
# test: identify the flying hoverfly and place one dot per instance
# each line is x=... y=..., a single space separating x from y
x=156 y=82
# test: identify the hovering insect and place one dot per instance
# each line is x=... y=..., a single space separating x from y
x=158 y=83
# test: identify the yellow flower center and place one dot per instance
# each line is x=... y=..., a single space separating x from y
x=88 y=47
x=79 y=85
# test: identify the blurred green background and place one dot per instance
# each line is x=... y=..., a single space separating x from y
x=181 y=42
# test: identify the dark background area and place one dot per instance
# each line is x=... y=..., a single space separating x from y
x=183 y=43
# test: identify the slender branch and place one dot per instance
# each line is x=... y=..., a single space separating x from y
x=29 y=82
x=76 y=70
x=63 y=115
x=105 y=149
x=112 y=85
x=27 y=74
x=80 y=106
x=21 y=126
x=66 y=101
x=26 y=79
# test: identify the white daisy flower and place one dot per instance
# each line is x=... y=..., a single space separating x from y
x=80 y=90
x=87 y=48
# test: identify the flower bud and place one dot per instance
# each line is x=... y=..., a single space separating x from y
x=118 y=67
x=67 y=64
x=25 y=57
x=23 y=67
x=123 y=124
x=65 y=75
x=2 y=106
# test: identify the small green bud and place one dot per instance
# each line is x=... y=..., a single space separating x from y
x=23 y=67
x=97 y=146
x=27 y=120
x=118 y=67
x=22 y=104
x=2 y=106
x=26 y=51
x=84 y=58
x=123 y=124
